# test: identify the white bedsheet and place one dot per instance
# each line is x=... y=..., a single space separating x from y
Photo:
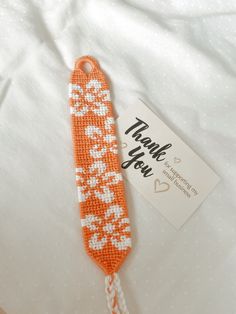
x=179 y=56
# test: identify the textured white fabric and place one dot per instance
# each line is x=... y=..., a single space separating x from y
x=179 y=56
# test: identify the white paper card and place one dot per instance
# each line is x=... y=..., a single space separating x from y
x=161 y=166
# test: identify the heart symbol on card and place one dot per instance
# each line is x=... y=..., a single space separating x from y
x=177 y=160
x=160 y=186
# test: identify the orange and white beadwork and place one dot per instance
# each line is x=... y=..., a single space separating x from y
x=101 y=194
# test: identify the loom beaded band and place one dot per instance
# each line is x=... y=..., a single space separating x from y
x=101 y=194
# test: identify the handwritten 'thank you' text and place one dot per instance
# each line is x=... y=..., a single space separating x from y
x=154 y=149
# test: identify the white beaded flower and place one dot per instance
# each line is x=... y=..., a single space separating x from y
x=114 y=227
x=105 y=140
x=92 y=97
x=96 y=182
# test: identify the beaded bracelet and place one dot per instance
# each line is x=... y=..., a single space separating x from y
x=101 y=194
